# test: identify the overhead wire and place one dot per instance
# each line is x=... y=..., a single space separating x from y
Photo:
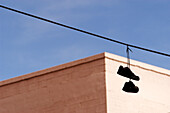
x=83 y=31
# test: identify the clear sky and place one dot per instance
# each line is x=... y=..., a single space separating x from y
x=28 y=45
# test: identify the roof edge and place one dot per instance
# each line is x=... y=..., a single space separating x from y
x=86 y=60
x=138 y=64
x=52 y=69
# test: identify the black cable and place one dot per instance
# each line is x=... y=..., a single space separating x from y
x=83 y=31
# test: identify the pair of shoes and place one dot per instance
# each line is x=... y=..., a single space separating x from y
x=126 y=72
x=130 y=87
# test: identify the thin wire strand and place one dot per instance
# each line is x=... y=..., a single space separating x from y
x=128 y=57
x=83 y=31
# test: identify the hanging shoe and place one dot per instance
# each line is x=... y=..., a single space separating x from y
x=130 y=87
x=126 y=72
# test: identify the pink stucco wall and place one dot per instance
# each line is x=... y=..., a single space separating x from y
x=154 y=91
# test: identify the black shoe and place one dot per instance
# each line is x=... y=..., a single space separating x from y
x=126 y=72
x=130 y=87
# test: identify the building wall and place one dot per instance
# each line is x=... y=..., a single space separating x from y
x=89 y=85
x=154 y=91
x=76 y=87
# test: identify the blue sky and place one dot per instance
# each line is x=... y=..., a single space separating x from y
x=28 y=45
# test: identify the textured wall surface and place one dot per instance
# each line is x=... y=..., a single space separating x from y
x=154 y=91
x=76 y=87
x=89 y=85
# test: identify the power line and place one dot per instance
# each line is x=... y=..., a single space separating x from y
x=83 y=31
